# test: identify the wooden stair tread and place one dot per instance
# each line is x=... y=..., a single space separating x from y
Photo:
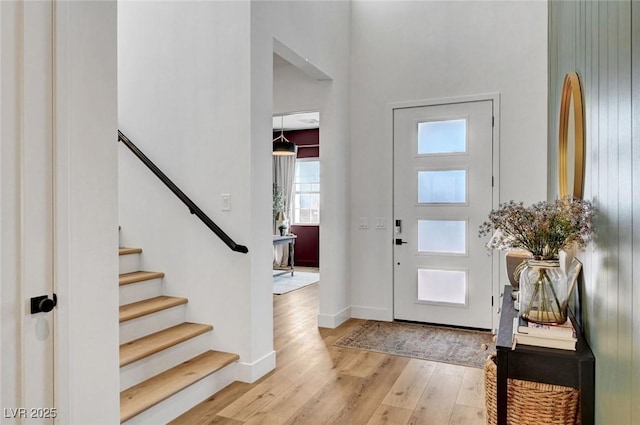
x=147 y=394
x=127 y=251
x=149 y=306
x=151 y=344
x=139 y=276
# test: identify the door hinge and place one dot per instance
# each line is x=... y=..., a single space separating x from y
x=491 y=300
x=492 y=181
x=493 y=121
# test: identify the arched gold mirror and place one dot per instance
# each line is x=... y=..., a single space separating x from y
x=571 y=139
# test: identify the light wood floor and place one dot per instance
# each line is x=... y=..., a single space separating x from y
x=316 y=383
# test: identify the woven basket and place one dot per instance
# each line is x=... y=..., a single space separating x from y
x=531 y=402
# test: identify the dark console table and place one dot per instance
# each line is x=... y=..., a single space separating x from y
x=291 y=240
x=574 y=369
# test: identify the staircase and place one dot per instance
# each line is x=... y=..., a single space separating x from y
x=166 y=366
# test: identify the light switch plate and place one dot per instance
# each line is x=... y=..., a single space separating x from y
x=364 y=223
x=380 y=223
x=226 y=202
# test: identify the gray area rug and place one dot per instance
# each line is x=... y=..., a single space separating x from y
x=435 y=343
x=284 y=283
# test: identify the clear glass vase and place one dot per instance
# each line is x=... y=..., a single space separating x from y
x=544 y=292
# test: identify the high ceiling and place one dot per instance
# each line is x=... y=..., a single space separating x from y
x=301 y=121
x=294 y=121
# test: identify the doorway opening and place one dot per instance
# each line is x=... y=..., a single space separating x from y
x=296 y=203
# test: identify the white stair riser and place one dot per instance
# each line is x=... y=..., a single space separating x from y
x=145 y=325
x=140 y=291
x=129 y=263
x=144 y=369
x=176 y=405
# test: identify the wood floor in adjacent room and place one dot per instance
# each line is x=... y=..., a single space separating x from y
x=316 y=383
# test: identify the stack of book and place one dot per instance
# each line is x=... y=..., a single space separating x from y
x=561 y=336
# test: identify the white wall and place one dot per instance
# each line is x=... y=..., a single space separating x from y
x=314 y=36
x=407 y=51
x=87 y=213
x=293 y=90
x=197 y=98
x=184 y=99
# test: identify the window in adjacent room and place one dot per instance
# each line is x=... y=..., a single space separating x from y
x=306 y=192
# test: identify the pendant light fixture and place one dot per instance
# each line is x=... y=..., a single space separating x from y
x=282 y=146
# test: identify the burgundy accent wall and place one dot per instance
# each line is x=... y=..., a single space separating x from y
x=307 y=245
x=310 y=152
x=308 y=241
x=302 y=138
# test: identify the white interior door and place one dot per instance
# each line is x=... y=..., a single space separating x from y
x=37 y=194
x=27 y=201
x=443 y=188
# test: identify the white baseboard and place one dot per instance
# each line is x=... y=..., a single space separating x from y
x=332 y=321
x=251 y=372
x=371 y=313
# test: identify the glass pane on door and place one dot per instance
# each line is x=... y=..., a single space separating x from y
x=442 y=187
x=442 y=286
x=442 y=236
x=438 y=137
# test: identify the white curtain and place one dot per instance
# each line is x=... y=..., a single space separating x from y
x=284 y=169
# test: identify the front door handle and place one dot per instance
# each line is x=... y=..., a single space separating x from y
x=400 y=242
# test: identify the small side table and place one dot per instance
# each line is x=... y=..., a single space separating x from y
x=574 y=369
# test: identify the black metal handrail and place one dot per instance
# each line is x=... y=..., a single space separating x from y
x=193 y=208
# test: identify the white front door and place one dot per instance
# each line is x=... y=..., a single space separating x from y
x=443 y=186
x=27 y=207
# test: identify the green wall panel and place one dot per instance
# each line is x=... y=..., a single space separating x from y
x=599 y=39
